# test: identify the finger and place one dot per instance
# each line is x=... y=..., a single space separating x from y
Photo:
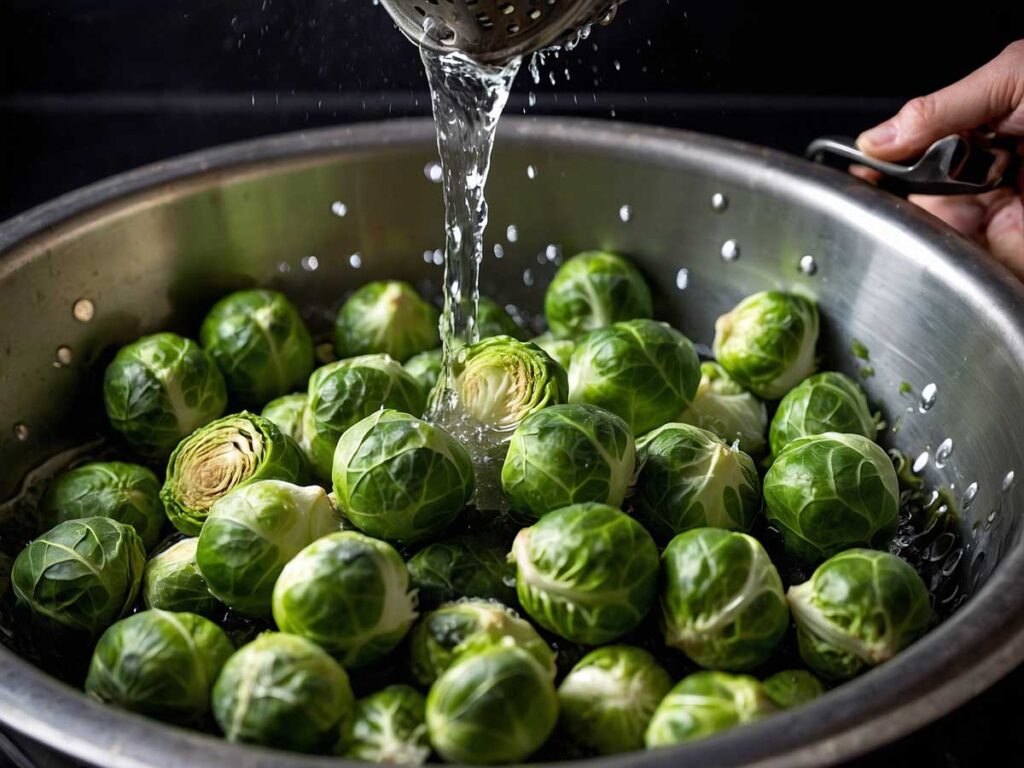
x=866 y=174
x=965 y=213
x=1004 y=231
x=993 y=94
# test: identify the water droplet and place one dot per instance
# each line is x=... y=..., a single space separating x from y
x=991 y=519
x=438 y=257
x=528 y=277
x=339 y=209
x=310 y=263
x=553 y=254
x=428 y=257
x=284 y=267
x=719 y=202
x=730 y=250
x=617 y=64
x=952 y=562
x=531 y=172
x=355 y=260
x=64 y=356
x=512 y=233
x=970 y=493
x=626 y=214
x=928 y=396
x=20 y=432
x=499 y=251
x=532 y=99
x=83 y=310
x=682 y=279
x=920 y=463
x=432 y=171
x=1008 y=481
x=943 y=452
x=808 y=265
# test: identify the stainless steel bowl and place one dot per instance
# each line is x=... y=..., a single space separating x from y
x=151 y=249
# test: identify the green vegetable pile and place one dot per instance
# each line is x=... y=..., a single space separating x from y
x=311 y=574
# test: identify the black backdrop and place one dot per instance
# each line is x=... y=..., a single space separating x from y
x=92 y=87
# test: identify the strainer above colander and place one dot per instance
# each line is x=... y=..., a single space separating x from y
x=496 y=31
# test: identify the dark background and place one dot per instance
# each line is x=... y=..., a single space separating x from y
x=89 y=88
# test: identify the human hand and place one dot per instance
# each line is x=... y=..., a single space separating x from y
x=989 y=99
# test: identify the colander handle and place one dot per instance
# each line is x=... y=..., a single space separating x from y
x=951 y=166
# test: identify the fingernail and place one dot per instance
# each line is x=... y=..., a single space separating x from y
x=880 y=135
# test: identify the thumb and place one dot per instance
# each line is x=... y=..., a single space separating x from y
x=990 y=94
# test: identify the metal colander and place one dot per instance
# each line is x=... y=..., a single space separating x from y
x=495 y=31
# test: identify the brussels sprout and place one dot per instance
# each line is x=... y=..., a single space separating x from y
x=464 y=566
x=494 y=706
x=588 y=572
x=286 y=414
x=642 y=370
x=172 y=581
x=724 y=407
x=792 y=688
x=349 y=594
x=593 y=290
x=399 y=478
x=282 y=691
x=492 y=319
x=441 y=637
x=82 y=574
x=159 y=389
x=560 y=350
x=689 y=478
x=826 y=402
x=767 y=342
x=260 y=344
x=385 y=317
x=830 y=492
x=342 y=393
x=706 y=703
x=390 y=727
x=228 y=453
x=568 y=454
x=858 y=609
x=426 y=368
x=722 y=602
x=127 y=493
x=252 y=533
x=500 y=381
x=160 y=664
x=607 y=700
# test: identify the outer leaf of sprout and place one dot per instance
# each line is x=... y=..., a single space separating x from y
x=386 y=317
x=425 y=368
x=724 y=407
x=560 y=350
x=286 y=414
x=593 y=290
x=472 y=565
x=825 y=402
x=492 y=319
x=389 y=727
x=172 y=581
x=792 y=688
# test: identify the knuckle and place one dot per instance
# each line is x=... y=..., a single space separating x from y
x=1015 y=52
x=920 y=111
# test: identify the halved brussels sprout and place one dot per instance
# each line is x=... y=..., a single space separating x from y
x=160 y=664
x=825 y=402
x=389 y=727
x=689 y=479
x=282 y=691
x=642 y=370
x=492 y=319
x=560 y=350
x=386 y=317
x=463 y=566
x=399 y=478
x=128 y=493
x=426 y=368
x=82 y=574
x=706 y=703
x=441 y=637
x=568 y=454
x=494 y=706
x=588 y=572
x=349 y=594
x=607 y=700
x=792 y=688
x=260 y=344
x=859 y=609
x=500 y=381
x=172 y=581
x=830 y=492
x=252 y=533
x=286 y=414
x=161 y=388
x=592 y=290
x=722 y=602
x=342 y=393
x=767 y=342
x=226 y=454
x=724 y=407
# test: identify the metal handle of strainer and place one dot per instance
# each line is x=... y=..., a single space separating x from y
x=496 y=31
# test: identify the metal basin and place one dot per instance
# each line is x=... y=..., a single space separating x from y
x=152 y=249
